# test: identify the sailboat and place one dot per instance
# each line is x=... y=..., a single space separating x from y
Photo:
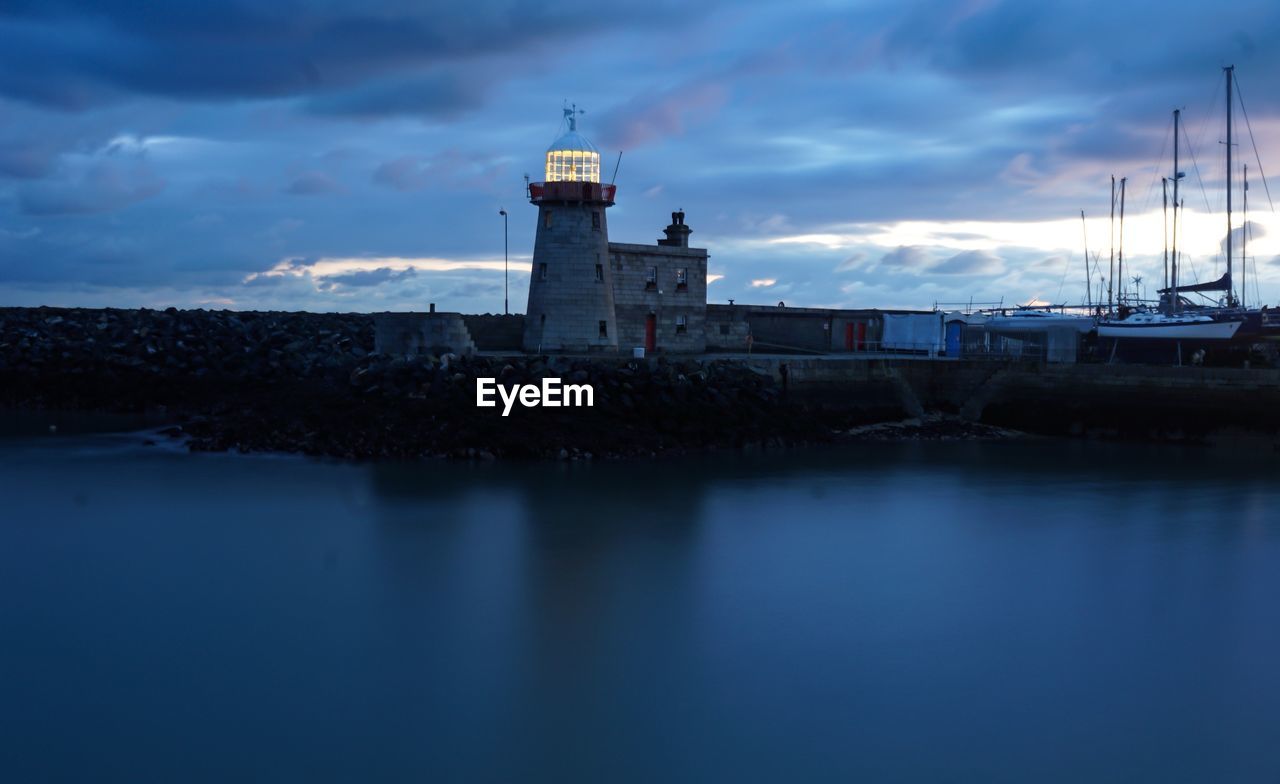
x=1258 y=323
x=1177 y=318
x=1154 y=325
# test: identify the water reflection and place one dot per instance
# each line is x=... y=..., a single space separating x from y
x=1041 y=611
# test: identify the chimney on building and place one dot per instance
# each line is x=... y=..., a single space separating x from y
x=677 y=233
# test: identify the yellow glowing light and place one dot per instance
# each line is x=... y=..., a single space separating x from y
x=573 y=166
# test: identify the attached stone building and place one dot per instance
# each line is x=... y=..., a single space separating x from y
x=660 y=292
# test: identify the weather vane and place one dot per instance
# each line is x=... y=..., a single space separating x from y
x=571 y=112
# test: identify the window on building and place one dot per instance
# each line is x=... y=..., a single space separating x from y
x=546 y=219
x=682 y=279
x=595 y=220
x=682 y=325
x=651 y=278
x=604 y=329
x=542 y=271
x=599 y=273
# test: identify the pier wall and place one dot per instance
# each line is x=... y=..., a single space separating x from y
x=1131 y=401
x=372 y=378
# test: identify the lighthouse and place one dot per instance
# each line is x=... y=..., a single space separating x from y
x=571 y=307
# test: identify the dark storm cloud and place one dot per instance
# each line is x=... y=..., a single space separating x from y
x=1078 y=41
x=72 y=55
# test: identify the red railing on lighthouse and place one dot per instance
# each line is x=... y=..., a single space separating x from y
x=571 y=191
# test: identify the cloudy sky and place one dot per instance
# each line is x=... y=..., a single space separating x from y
x=354 y=154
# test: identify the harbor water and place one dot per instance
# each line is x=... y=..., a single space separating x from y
x=920 y=612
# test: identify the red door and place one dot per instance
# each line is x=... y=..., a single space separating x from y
x=650 y=333
x=848 y=336
x=862 y=335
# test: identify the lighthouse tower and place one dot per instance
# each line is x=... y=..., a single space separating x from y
x=571 y=287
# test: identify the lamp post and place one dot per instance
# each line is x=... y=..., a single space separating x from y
x=506 y=307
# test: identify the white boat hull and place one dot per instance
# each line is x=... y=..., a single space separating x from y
x=1081 y=324
x=1199 y=330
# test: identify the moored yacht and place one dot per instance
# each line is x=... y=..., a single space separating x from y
x=1152 y=325
x=1027 y=318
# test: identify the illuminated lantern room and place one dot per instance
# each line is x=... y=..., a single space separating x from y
x=572 y=158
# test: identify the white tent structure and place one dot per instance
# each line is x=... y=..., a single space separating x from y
x=914 y=332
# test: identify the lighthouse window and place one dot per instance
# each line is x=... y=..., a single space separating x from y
x=595 y=220
x=573 y=166
x=682 y=279
x=651 y=278
x=546 y=219
x=599 y=273
x=542 y=272
x=604 y=329
x=682 y=325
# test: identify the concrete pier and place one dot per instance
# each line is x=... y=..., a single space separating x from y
x=1137 y=401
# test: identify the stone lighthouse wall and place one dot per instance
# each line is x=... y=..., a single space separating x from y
x=571 y=283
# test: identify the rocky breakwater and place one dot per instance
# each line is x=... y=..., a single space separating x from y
x=304 y=382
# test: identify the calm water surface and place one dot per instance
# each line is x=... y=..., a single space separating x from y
x=933 y=612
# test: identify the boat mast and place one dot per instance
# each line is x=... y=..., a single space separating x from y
x=1231 y=295
x=1120 y=258
x=1088 y=281
x=1164 y=189
x=1173 y=265
x=1111 y=270
x=1244 y=241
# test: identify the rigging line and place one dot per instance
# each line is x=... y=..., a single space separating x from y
x=1204 y=127
x=1191 y=148
x=1249 y=125
x=1208 y=115
x=1181 y=254
x=1196 y=166
x=1257 y=288
x=1204 y=124
x=1155 y=174
x=1066 y=267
